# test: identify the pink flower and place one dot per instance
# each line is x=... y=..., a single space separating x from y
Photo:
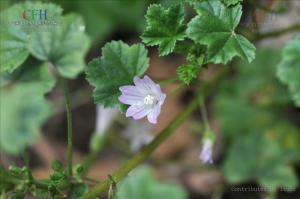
x=145 y=99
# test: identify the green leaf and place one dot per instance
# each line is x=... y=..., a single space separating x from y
x=141 y=184
x=14 y=36
x=164 y=27
x=231 y=2
x=288 y=70
x=254 y=157
x=117 y=66
x=254 y=92
x=64 y=45
x=25 y=109
x=215 y=27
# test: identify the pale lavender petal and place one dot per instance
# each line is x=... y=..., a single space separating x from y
x=145 y=98
x=132 y=90
x=152 y=116
x=207 y=152
x=139 y=82
x=162 y=99
x=154 y=87
x=137 y=111
x=145 y=83
x=131 y=100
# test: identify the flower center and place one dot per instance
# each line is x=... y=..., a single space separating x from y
x=148 y=100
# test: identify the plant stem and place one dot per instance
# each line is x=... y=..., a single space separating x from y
x=27 y=164
x=146 y=151
x=168 y=81
x=70 y=128
x=204 y=115
x=175 y=90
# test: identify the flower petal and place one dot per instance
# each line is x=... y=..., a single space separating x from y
x=131 y=100
x=137 y=111
x=146 y=83
x=152 y=116
x=132 y=90
x=162 y=99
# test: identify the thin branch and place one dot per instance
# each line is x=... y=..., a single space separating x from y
x=204 y=115
x=70 y=127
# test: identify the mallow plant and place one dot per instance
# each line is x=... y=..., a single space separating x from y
x=34 y=60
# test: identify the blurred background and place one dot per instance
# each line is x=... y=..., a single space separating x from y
x=257 y=125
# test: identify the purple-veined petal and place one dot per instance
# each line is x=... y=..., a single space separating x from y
x=137 y=111
x=145 y=98
x=132 y=90
x=131 y=100
x=152 y=116
x=145 y=83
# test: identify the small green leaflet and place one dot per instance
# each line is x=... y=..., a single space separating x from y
x=140 y=184
x=164 y=27
x=24 y=109
x=13 y=38
x=188 y=72
x=64 y=45
x=215 y=27
x=288 y=70
x=117 y=66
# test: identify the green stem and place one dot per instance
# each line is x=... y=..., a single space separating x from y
x=175 y=90
x=168 y=81
x=27 y=164
x=70 y=129
x=204 y=115
x=146 y=151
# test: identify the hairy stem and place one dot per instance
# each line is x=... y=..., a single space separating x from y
x=70 y=128
x=204 y=115
x=27 y=164
x=146 y=151
x=168 y=81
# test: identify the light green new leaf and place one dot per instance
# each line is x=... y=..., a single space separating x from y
x=188 y=72
x=24 y=109
x=14 y=35
x=266 y=162
x=164 y=27
x=288 y=70
x=117 y=66
x=141 y=184
x=64 y=45
x=215 y=27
